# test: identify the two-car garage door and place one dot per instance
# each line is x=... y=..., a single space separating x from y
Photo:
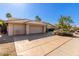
x=35 y=29
x=19 y=29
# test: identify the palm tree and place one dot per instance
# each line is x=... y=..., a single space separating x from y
x=65 y=22
x=8 y=15
x=37 y=18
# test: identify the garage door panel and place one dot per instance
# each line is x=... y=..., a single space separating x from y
x=19 y=29
x=35 y=29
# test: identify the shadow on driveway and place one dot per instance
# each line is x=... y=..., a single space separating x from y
x=8 y=39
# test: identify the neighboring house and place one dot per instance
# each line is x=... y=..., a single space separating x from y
x=50 y=27
x=24 y=26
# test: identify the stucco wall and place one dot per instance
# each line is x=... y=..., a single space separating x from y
x=10 y=29
x=27 y=28
x=44 y=29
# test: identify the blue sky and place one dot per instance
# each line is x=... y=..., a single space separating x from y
x=49 y=12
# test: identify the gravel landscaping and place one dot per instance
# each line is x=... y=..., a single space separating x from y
x=7 y=46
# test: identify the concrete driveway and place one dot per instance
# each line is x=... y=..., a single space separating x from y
x=39 y=45
x=71 y=48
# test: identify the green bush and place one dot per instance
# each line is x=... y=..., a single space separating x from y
x=3 y=26
x=6 y=54
x=77 y=28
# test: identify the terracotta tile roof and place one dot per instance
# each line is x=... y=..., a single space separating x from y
x=34 y=22
x=17 y=20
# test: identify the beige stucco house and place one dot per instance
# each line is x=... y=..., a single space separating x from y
x=24 y=26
